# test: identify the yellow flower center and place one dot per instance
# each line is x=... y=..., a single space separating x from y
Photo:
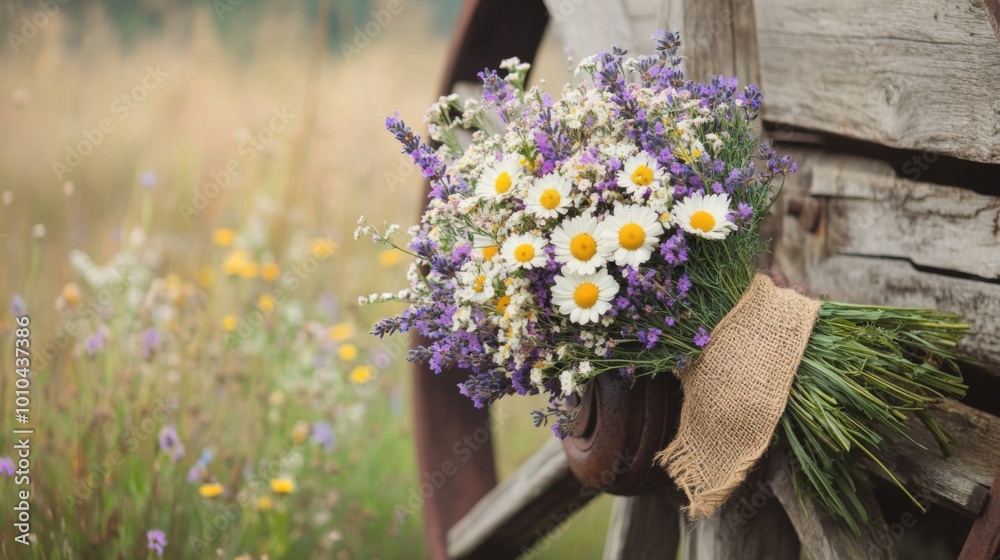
x=478 y=284
x=631 y=236
x=490 y=252
x=702 y=220
x=524 y=252
x=502 y=304
x=586 y=295
x=549 y=199
x=642 y=176
x=583 y=247
x=502 y=183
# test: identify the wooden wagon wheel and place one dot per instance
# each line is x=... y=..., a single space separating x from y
x=469 y=516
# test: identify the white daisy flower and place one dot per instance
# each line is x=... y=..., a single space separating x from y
x=524 y=251
x=705 y=216
x=584 y=297
x=500 y=178
x=484 y=247
x=640 y=172
x=631 y=233
x=576 y=245
x=549 y=196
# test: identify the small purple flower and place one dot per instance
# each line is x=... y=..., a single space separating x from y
x=702 y=338
x=95 y=343
x=148 y=179
x=17 y=306
x=649 y=337
x=150 y=340
x=6 y=466
x=171 y=444
x=157 y=541
x=323 y=434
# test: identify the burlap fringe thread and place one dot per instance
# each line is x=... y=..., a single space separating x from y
x=736 y=391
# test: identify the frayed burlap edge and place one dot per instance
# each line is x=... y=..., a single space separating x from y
x=736 y=391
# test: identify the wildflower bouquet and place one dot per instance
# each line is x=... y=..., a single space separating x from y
x=614 y=231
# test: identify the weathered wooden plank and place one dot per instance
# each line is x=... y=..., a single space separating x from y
x=873 y=212
x=720 y=37
x=911 y=74
x=823 y=538
x=646 y=526
x=983 y=542
x=536 y=499
x=590 y=26
x=841 y=253
x=750 y=526
x=960 y=482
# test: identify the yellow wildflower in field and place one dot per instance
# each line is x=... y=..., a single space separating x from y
x=270 y=272
x=389 y=257
x=264 y=503
x=348 y=352
x=229 y=323
x=234 y=262
x=249 y=269
x=210 y=490
x=300 y=432
x=282 y=486
x=71 y=293
x=361 y=375
x=223 y=237
x=322 y=248
x=205 y=277
x=266 y=303
x=341 y=332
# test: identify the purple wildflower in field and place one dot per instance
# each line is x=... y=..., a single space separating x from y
x=157 y=541
x=6 y=466
x=95 y=343
x=150 y=340
x=199 y=471
x=171 y=444
x=17 y=306
x=323 y=434
x=702 y=338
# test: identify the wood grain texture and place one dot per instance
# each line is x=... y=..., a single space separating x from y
x=960 y=482
x=590 y=26
x=720 y=37
x=517 y=514
x=750 y=526
x=823 y=538
x=864 y=251
x=646 y=526
x=872 y=212
x=993 y=10
x=922 y=75
x=983 y=542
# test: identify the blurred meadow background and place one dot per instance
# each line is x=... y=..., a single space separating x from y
x=180 y=183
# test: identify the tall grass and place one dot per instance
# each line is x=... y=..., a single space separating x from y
x=233 y=325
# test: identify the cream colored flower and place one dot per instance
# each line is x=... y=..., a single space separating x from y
x=549 y=196
x=631 y=233
x=524 y=251
x=576 y=246
x=704 y=216
x=499 y=179
x=640 y=172
x=584 y=297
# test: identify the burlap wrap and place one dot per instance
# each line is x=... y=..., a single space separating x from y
x=735 y=393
